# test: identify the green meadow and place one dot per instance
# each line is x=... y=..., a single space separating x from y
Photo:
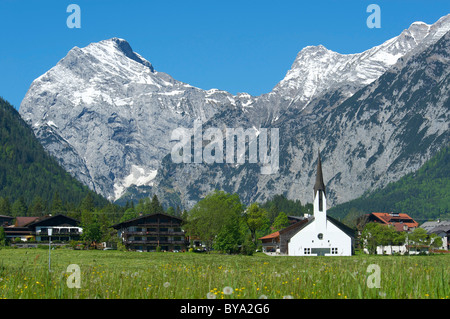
x=24 y=274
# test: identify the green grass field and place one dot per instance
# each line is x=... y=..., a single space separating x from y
x=132 y=275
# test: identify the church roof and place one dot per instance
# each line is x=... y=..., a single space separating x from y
x=298 y=225
x=349 y=231
x=303 y=223
x=319 y=185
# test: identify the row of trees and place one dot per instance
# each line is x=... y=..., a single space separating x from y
x=37 y=207
x=220 y=219
x=224 y=224
x=375 y=235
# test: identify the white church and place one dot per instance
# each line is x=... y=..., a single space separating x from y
x=317 y=235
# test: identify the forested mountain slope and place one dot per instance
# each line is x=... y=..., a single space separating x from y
x=423 y=194
x=28 y=172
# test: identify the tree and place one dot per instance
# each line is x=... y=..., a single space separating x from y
x=128 y=214
x=19 y=208
x=170 y=211
x=215 y=216
x=92 y=227
x=280 y=222
x=156 y=207
x=248 y=246
x=435 y=241
x=37 y=207
x=375 y=234
x=140 y=207
x=57 y=204
x=114 y=212
x=279 y=203
x=229 y=237
x=87 y=204
x=184 y=216
x=371 y=237
x=2 y=237
x=418 y=237
x=127 y=205
x=178 y=211
x=355 y=218
x=256 y=218
x=92 y=233
x=389 y=236
x=5 y=206
x=399 y=238
x=107 y=233
x=272 y=211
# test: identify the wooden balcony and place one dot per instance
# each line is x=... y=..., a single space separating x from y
x=154 y=233
x=155 y=242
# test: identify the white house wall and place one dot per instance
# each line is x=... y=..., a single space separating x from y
x=333 y=237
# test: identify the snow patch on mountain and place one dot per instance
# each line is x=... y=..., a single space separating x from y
x=138 y=177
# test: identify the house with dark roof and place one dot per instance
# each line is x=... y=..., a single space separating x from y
x=440 y=228
x=20 y=229
x=36 y=228
x=63 y=228
x=5 y=220
x=148 y=232
x=317 y=235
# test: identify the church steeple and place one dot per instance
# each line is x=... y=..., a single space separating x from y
x=320 y=200
x=319 y=185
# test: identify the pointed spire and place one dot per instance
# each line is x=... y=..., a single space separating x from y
x=319 y=185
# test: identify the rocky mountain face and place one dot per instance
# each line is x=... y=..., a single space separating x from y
x=367 y=139
x=388 y=128
x=106 y=114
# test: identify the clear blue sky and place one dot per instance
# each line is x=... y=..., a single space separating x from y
x=238 y=46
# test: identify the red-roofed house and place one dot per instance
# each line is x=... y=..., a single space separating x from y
x=277 y=242
x=401 y=222
x=271 y=243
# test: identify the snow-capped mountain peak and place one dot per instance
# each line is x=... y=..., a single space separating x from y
x=316 y=69
x=106 y=114
x=110 y=113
